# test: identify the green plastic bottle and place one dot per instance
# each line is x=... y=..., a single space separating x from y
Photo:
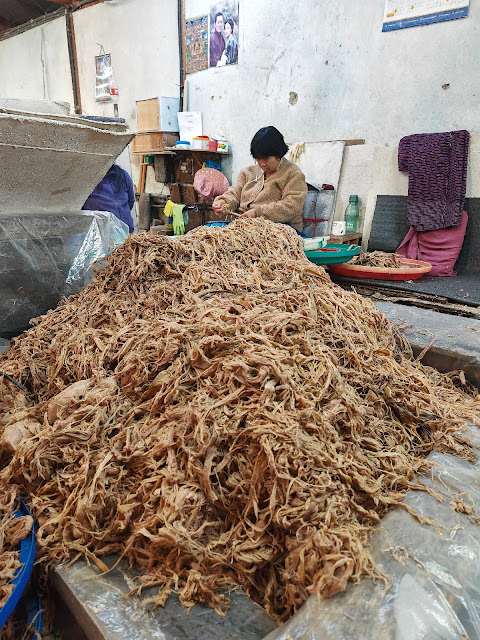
x=352 y=215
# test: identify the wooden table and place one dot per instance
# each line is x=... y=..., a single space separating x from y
x=348 y=238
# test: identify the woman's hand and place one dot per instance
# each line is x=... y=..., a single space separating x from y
x=218 y=206
x=251 y=213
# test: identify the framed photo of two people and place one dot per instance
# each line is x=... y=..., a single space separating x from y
x=223 y=33
x=212 y=40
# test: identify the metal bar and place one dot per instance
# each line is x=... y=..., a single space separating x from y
x=181 y=28
x=72 y=55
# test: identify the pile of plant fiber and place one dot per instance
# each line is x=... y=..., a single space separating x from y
x=216 y=411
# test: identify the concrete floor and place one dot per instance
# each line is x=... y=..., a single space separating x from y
x=457 y=339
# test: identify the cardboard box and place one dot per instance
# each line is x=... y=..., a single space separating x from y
x=153 y=141
x=159 y=230
x=158 y=114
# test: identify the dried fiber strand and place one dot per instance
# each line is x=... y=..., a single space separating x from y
x=216 y=411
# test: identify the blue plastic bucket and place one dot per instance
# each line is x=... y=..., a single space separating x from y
x=217 y=224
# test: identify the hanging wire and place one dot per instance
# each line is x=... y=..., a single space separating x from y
x=29 y=4
x=13 y=381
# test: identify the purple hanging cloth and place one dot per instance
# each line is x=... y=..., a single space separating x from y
x=437 y=177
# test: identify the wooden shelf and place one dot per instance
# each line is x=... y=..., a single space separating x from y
x=207 y=151
x=171 y=151
x=152 y=153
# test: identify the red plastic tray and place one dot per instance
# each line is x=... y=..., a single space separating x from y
x=412 y=270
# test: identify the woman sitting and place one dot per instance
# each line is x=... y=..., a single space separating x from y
x=274 y=188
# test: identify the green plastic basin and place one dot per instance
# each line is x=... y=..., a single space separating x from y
x=333 y=253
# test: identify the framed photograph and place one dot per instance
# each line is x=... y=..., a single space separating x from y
x=196 y=44
x=103 y=77
x=224 y=33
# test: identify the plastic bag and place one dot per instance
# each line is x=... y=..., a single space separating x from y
x=47 y=256
x=210 y=183
x=318 y=209
x=105 y=233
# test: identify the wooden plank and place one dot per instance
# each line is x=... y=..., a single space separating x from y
x=354 y=141
x=159 y=168
x=199 y=151
x=142 y=177
x=413 y=298
x=148 y=115
x=347 y=238
x=72 y=54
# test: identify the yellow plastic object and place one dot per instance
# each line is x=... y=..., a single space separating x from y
x=168 y=209
x=178 y=224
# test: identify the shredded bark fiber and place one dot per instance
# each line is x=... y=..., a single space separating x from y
x=227 y=416
x=12 y=531
x=379 y=259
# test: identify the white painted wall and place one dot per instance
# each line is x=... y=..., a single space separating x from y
x=352 y=80
x=141 y=36
x=35 y=64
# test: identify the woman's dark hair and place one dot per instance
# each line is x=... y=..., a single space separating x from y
x=231 y=23
x=268 y=141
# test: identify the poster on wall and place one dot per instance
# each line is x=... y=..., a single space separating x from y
x=223 y=48
x=196 y=44
x=103 y=77
x=400 y=14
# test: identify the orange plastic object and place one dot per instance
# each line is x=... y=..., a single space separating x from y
x=412 y=270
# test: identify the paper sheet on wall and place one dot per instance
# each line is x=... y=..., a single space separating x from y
x=400 y=14
x=190 y=125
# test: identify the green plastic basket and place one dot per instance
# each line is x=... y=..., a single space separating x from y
x=333 y=253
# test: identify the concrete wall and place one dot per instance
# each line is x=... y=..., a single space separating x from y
x=141 y=36
x=351 y=80
x=35 y=64
x=315 y=69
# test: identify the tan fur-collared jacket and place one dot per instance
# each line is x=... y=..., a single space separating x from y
x=279 y=198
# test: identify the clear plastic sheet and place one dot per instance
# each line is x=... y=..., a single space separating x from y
x=434 y=570
x=46 y=256
x=105 y=233
x=101 y=605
